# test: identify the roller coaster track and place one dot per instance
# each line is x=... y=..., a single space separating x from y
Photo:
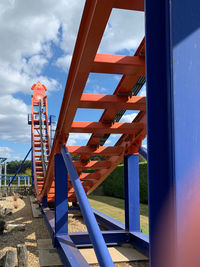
x=40 y=135
x=86 y=60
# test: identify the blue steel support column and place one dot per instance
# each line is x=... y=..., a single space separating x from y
x=132 y=193
x=172 y=57
x=32 y=175
x=96 y=237
x=44 y=202
x=61 y=196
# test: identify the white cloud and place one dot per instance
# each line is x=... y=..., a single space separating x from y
x=28 y=31
x=143 y=91
x=144 y=145
x=5 y=152
x=64 y=62
x=13 y=120
x=96 y=89
x=128 y=117
x=125 y=30
x=78 y=138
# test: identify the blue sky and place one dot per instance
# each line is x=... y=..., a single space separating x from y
x=37 y=41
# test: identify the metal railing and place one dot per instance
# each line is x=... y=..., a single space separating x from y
x=20 y=180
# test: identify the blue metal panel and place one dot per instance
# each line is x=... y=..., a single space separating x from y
x=96 y=237
x=160 y=124
x=186 y=82
x=61 y=196
x=172 y=55
x=132 y=193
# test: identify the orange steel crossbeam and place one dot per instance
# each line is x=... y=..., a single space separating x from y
x=102 y=128
x=116 y=64
x=107 y=101
x=84 y=61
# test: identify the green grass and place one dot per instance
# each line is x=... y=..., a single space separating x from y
x=114 y=207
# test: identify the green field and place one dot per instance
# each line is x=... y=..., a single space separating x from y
x=114 y=207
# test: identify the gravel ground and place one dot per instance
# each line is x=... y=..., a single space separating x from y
x=35 y=228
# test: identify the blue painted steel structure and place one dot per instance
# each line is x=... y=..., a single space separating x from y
x=172 y=63
x=57 y=220
x=132 y=193
x=173 y=52
x=61 y=196
x=96 y=237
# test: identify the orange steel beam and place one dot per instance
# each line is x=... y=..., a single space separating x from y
x=125 y=141
x=102 y=128
x=93 y=23
x=137 y=5
x=126 y=84
x=92 y=164
x=116 y=160
x=100 y=151
x=106 y=101
x=117 y=64
x=90 y=176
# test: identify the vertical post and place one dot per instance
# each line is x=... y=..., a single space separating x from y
x=28 y=180
x=25 y=180
x=5 y=168
x=5 y=180
x=0 y=174
x=32 y=175
x=95 y=234
x=173 y=118
x=132 y=193
x=18 y=180
x=44 y=202
x=61 y=196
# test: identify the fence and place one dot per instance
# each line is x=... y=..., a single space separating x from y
x=20 y=180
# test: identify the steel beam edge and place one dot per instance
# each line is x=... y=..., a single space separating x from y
x=138 y=239
x=107 y=221
x=67 y=250
x=69 y=253
x=112 y=238
x=81 y=239
x=143 y=152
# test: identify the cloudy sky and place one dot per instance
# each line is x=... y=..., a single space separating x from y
x=37 y=41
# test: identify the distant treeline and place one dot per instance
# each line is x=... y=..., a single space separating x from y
x=12 y=166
